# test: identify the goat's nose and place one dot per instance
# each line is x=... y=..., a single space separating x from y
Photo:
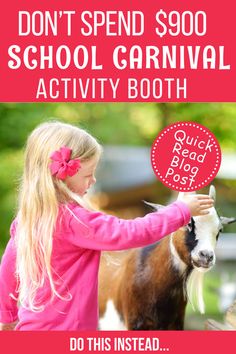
x=206 y=255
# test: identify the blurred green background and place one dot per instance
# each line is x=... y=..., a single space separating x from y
x=126 y=125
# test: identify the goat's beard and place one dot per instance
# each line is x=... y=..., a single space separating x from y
x=195 y=289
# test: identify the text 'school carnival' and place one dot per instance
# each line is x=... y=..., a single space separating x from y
x=150 y=57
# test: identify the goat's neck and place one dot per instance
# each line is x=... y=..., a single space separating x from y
x=166 y=264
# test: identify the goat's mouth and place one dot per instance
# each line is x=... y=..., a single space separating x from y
x=200 y=265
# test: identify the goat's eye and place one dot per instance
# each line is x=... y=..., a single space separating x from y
x=189 y=227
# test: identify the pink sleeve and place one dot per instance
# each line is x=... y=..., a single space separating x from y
x=98 y=231
x=8 y=305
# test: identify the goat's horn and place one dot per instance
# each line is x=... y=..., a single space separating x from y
x=212 y=192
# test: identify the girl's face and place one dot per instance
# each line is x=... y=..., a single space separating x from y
x=84 y=178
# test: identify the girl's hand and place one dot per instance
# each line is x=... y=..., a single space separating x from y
x=198 y=203
x=7 y=326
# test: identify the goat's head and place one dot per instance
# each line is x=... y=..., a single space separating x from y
x=202 y=234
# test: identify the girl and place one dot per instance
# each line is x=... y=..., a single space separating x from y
x=50 y=265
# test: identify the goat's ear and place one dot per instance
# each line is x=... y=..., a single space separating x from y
x=154 y=206
x=212 y=192
x=226 y=221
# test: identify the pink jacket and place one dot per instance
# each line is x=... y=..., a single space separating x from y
x=79 y=238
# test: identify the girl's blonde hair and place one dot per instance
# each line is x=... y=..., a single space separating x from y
x=39 y=199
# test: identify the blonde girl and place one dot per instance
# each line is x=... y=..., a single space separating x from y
x=49 y=271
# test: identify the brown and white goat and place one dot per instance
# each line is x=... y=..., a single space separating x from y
x=148 y=289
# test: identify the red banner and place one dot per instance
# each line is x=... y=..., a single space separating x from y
x=117 y=51
x=118 y=342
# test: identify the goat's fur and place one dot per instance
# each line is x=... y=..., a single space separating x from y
x=148 y=288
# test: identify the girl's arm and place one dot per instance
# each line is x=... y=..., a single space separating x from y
x=8 y=284
x=98 y=231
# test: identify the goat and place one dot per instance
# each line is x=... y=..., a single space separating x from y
x=150 y=288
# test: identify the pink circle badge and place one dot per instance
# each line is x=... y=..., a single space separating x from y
x=186 y=156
